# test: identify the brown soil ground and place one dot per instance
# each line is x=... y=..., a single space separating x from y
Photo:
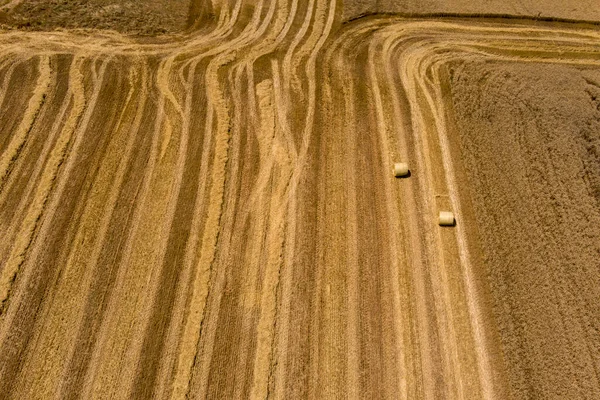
x=530 y=139
x=586 y=10
x=146 y=17
x=213 y=214
x=154 y=17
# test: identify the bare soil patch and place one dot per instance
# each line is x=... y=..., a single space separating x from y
x=581 y=10
x=147 y=17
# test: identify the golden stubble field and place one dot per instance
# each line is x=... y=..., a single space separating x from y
x=212 y=213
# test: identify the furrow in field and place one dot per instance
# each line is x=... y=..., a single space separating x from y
x=328 y=322
x=29 y=224
x=8 y=64
x=350 y=169
x=252 y=206
x=437 y=265
x=149 y=318
x=302 y=207
x=101 y=211
x=416 y=302
x=18 y=139
x=175 y=228
x=21 y=183
x=138 y=267
x=280 y=175
x=387 y=132
x=32 y=281
x=195 y=322
x=199 y=184
x=231 y=240
x=66 y=298
x=295 y=276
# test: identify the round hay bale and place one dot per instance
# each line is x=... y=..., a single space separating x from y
x=401 y=170
x=447 y=218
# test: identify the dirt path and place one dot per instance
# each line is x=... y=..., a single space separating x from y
x=216 y=216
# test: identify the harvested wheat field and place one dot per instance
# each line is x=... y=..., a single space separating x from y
x=201 y=202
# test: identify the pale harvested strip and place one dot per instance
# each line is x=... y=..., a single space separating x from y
x=111 y=252
x=278 y=35
x=243 y=346
x=29 y=225
x=17 y=140
x=451 y=380
x=299 y=271
x=198 y=183
x=226 y=240
x=263 y=366
x=388 y=153
x=291 y=121
x=218 y=107
x=330 y=345
x=65 y=299
x=181 y=90
x=7 y=67
x=138 y=266
x=376 y=232
x=416 y=302
x=217 y=103
x=176 y=229
x=20 y=316
x=303 y=371
x=101 y=206
x=350 y=168
x=18 y=191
